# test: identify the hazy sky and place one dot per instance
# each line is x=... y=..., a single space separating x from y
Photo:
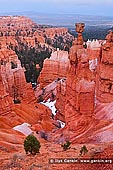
x=83 y=7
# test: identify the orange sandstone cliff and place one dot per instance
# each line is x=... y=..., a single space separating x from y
x=55 y=67
x=82 y=106
x=83 y=99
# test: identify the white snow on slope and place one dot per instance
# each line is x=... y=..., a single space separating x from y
x=51 y=105
x=23 y=128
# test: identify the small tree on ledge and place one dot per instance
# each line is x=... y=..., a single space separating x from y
x=66 y=145
x=83 y=150
x=15 y=93
x=31 y=144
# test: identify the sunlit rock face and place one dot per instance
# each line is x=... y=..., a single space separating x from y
x=55 y=67
x=105 y=69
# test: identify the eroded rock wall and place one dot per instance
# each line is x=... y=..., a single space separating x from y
x=13 y=77
x=5 y=101
x=54 y=68
x=80 y=89
x=50 y=32
x=105 y=68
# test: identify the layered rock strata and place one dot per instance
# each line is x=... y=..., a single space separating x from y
x=54 y=68
x=78 y=92
x=61 y=99
x=86 y=118
x=23 y=27
x=105 y=68
x=12 y=73
x=5 y=100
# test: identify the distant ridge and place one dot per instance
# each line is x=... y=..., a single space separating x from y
x=66 y=20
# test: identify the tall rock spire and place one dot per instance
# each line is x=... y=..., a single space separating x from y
x=80 y=88
x=79 y=30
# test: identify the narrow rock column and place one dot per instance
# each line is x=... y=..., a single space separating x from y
x=5 y=101
x=80 y=88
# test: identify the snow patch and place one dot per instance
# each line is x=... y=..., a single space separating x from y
x=93 y=64
x=23 y=128
x=61 y=123
x=51 y=105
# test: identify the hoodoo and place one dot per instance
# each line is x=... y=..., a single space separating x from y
x=61 y=95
